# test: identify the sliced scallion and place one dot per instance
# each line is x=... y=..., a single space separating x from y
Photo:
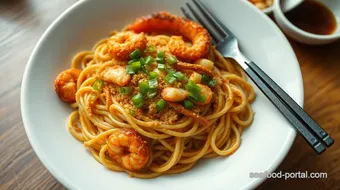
x=188 y=104
x=160 y=57
x=143 y=87
x=148 y=60
x=205 y=79
x=98 y=85
x=160 y=105
x=151 y=93
x=161 y=66
x=125 y=90
x=136 y=54
x=133 y=68
x=179 y=75
x=132 y=61
x=150 y=49
x=138 y=100
x=194 y=90
x=153 y=83
x=212 y=83
x=172 y=59
x=153 y=75
x=161 y=54
x=169 y=78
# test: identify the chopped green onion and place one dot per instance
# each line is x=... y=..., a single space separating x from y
x=201 y=98
x=161 y=66
x=132 y=61
x=132 y=113
x=148 y=60
x=169 y=78
x=161 y=54
x=143 y=87
x=172 y=59
x=142 y=61
x=136 y=54
x=190 y=98
x=150 y=49
x=153 y=75
x=160 y=60
x=205 y=79
x=152 y=93
x=209 y=81
x=194 y=90
x=138 y=100
x=179 y=75
x=188 y=104
x=160 y=57
x=170 y=71
x=126 y=90
x=153 y=83
x=212 y=83
x=133 y=68
x=144 y=69
x=98 y=84
x=160 y=105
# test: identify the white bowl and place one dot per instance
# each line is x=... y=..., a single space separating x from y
x=264 y=144
x=305 y=37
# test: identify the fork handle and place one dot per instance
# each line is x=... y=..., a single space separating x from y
x=314 y=127
x=282 y=107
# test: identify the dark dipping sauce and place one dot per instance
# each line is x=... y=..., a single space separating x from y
x=314 y=17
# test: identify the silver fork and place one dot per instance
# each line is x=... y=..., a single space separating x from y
x=226 y=43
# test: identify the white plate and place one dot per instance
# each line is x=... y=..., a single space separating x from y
x=264 y=144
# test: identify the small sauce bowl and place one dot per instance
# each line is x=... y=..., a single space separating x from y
x=306 y=37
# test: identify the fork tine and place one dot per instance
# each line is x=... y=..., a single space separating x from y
x=187 y=14
x=213 y=20
x=196 y=12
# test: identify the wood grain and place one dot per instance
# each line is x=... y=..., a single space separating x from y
x=22 y=22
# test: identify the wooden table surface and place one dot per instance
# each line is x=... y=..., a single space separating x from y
x=22 y=22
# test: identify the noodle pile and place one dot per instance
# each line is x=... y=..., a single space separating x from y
x=174 y=148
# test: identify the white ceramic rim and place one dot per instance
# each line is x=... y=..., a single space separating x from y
x=69 y=184
x=269 y=10
x=277 y=9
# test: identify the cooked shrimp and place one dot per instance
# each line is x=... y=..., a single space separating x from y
x=129 y=149
x=194 y=67
x=205 y=92
x=65 y=85
x=174 y=94
x=121 y=44
x=206 y=63
x=165 y=22
x=179 y=108
x=195 y=77
x=115 y=74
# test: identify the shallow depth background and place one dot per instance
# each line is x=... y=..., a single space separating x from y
x=22 y=22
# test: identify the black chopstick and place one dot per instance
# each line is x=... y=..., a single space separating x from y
x=312 y=140
x=294 y=107
x=281 y=105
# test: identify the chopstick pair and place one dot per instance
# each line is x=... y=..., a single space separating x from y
x=227 y=44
